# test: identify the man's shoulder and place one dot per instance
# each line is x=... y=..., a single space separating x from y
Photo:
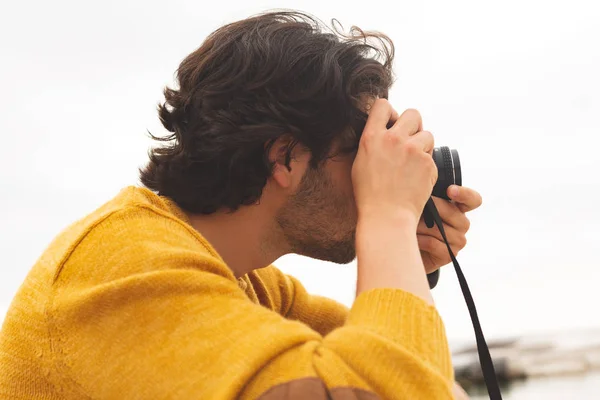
x=135 y=203
x=134 y=212
x=135 y=232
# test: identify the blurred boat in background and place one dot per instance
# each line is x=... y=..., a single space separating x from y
x=535 y=356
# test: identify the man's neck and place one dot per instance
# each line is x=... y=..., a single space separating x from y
x=241 y=238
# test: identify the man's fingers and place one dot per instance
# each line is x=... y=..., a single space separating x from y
x=424 y=140
x=455 y=238
x=465 y=198
x=380 y=114
x=451 y=214
x=409 y=123
x=435 y=251
x=436 y=248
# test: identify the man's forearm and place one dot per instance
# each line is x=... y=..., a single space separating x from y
x=388 y=256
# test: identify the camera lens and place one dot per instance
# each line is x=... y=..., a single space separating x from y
x=449 y=173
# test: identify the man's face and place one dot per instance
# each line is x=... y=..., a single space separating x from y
x=319 y=220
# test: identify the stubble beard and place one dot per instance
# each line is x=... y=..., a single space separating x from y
x=318 y=221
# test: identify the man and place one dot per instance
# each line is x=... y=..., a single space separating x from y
x=282 y=142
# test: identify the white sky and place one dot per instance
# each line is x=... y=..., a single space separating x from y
x=513 y=85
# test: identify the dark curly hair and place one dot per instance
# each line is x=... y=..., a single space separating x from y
x=251 y=82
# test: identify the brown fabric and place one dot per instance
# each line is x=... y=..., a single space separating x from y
x=315 y=389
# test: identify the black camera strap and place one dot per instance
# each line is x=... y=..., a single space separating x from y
x=485 y=360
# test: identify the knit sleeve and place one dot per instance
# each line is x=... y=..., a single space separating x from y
x=286 y=294
x=320 y=313
x=138 y=312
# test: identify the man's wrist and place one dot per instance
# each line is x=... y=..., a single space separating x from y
x=398 y=220
x=388 y=254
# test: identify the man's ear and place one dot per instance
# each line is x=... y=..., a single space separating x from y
x=288 y=167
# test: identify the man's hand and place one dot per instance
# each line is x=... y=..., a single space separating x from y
x=456 y=224
x=393 y=172
x=392 y=176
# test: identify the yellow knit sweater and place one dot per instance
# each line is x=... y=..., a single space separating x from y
x=132 y=303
